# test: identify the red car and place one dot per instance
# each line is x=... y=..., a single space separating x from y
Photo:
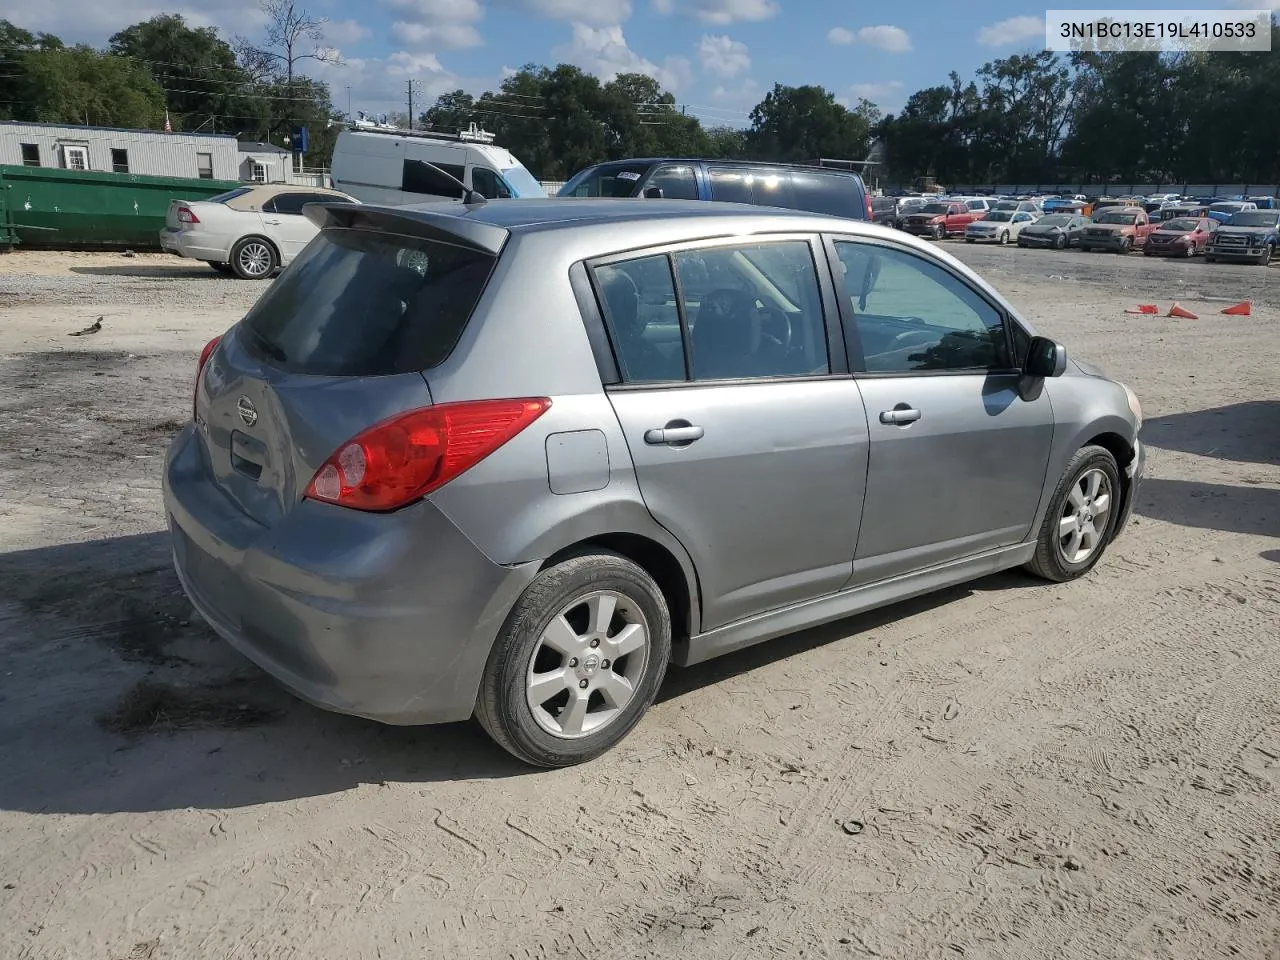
x=1180 y=237
x=944 y=218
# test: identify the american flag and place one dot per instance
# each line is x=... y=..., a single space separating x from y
x=168 y=127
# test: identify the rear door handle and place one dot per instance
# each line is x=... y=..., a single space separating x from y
x=900 y=415
x=272 y=222
x=672 y=435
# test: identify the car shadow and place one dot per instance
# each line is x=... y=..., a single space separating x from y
x=1211 y=506
x=179 y=271
x=1246 y=432
x=117 y=699
x=1272 y=555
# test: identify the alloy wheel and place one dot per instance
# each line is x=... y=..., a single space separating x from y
x=1085 y=515
x=587 y=665
x=255 y=258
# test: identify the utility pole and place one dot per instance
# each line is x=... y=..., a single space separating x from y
x=348 y=102
x=410 y=103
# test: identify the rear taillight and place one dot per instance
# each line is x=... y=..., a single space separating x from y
x=870 y=216
x=403 y=459
x=205 y=354
x=187 y=215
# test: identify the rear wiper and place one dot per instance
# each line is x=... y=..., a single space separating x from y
x=269 y=348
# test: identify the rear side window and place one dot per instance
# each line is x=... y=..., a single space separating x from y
x=418 y=178
x=729 y=185
x=831 y=194
x=286 y=203
x=360 y=303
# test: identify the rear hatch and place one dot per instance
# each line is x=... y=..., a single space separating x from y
x=339 y=342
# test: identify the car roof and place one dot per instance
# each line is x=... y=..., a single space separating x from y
x=629 y=161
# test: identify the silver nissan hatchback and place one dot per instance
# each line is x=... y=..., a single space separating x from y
x=511 y=459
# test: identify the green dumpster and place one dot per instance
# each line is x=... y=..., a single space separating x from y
x=86 y=210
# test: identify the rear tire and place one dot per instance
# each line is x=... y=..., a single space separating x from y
x=254 y=258
x=556 y=612
x=1073 y=499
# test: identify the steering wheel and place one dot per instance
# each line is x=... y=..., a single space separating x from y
x=776 y=326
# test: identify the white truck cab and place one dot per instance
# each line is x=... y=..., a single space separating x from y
x=377 y=165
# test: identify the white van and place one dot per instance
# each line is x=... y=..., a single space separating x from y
x=386 y=166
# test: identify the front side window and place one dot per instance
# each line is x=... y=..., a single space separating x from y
x=677 y=181
x=615 y=180
x=488 y=184
x=912 y=316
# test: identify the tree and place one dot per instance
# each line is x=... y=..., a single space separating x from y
x=796 y=124
x=80 y=85
x=196 y=68
x=451 y=111
x=293 y=35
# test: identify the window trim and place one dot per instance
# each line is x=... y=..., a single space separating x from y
x=848 y=322
x=80 y=149
x=828 y=296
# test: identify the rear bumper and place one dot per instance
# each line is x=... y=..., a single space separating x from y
x=1133 y=476
x=186 y=244
x=385 y=616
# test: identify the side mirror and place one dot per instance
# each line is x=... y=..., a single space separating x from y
x=653 y=193
x=1045 y=358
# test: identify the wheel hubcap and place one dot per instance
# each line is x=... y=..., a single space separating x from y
x=1085 y=515
x=255 y=258
x=588 y=663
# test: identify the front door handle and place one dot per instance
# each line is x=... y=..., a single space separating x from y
x=678 y=433
x=900 y=415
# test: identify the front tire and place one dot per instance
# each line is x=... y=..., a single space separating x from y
x=1004 y=238
x=1265 y=259
x=939 y=232
x=1124 y=246
x=1060 y=242
x=578 y=661
x=253 y=258
x=1082 y=512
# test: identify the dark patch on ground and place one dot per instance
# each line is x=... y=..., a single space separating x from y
x=141 y=612
x=153 y=707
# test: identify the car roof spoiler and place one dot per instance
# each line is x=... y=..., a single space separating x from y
x=445 y=227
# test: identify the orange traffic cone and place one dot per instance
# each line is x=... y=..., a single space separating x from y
x=1241 y=309
x=1178 y=310
x=1144 y=308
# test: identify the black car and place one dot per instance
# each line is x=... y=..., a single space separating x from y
x=813 y=189
x=1248 y=235
x=892 y=211
x=1057 y=230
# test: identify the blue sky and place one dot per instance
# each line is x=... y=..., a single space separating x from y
x=717 y=56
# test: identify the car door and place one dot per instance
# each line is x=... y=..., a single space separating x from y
x=1020 y=220
x=958 y=458
x=284 y=224
x=747 y=434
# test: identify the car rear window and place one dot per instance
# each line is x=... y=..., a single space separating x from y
x=831 y=193
x=361 y=303
x=230 y=195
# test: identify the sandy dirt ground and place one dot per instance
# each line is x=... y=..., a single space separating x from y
x=1007 y=770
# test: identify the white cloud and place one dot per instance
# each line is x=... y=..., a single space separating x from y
x=885 y=37
x=378 y=84
x=733 y=103
x=723 y=56
x=342 y=33
x=507 y=72
x=722 y=12
x=603 y=51
x=437 y=24
x=886 y=95
x=596 y=13
x=1011 y=31
x=88 y=21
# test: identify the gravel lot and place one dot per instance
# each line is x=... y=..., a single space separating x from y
x=1038 y=771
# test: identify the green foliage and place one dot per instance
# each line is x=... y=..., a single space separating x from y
x=84 y=86
x=796 y=124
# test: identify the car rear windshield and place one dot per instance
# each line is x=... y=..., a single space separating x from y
x=361 y=303
x=229 y=195
x=618 y=180
x=1254 y=218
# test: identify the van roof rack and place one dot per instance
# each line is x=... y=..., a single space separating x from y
x=472 y=134
x=843 y=164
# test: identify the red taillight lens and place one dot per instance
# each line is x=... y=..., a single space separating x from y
x=870 y=215
x=205 y=354
x=187 y=215
x=403 y=459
